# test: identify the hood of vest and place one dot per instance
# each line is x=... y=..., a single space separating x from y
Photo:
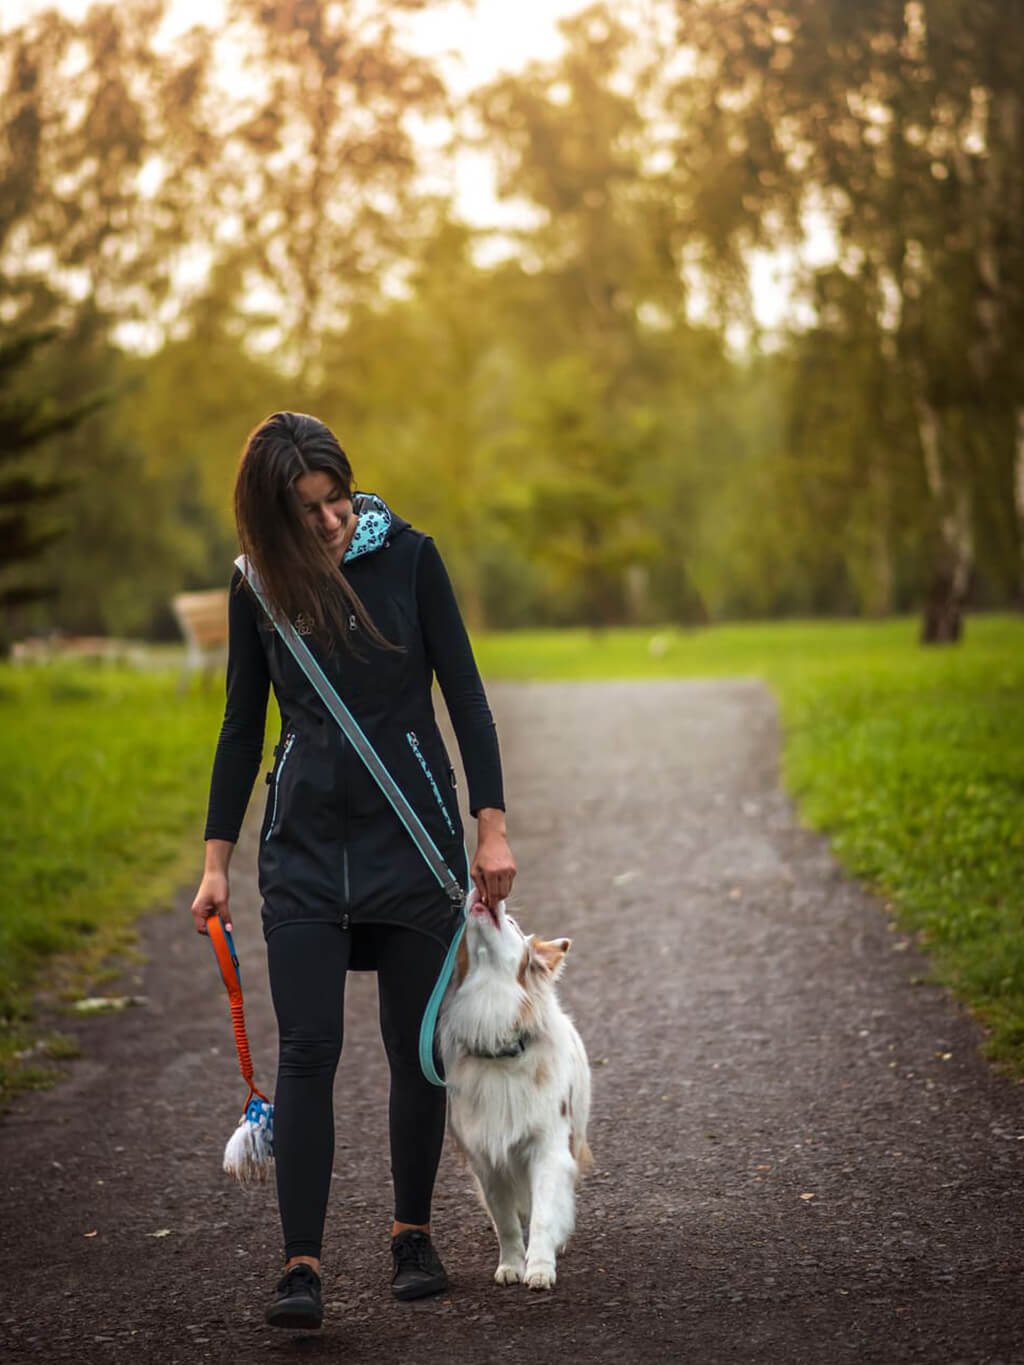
x=377 y=525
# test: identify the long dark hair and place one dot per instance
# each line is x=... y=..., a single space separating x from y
x=300 y=577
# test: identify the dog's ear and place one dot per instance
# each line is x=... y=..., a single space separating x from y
x=550 y=956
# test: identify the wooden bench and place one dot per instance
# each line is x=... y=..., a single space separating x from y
x=203 y=620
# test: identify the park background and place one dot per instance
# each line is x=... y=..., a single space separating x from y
x=694 y=338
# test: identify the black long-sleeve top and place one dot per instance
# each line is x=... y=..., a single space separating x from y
x=449 y=654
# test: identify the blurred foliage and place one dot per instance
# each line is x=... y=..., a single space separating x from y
x=27 y=419
x=584 y=412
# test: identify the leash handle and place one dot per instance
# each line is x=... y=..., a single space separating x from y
x=223 y=946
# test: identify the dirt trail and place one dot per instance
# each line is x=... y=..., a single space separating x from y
x=800 y=1156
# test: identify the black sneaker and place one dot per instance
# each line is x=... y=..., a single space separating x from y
x=297 y=1301
x=418 y=1268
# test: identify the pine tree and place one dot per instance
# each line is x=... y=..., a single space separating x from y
x=28 y=417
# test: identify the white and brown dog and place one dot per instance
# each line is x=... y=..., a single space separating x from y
x=519 y=1089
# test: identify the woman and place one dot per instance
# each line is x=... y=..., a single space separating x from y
x=342 y=882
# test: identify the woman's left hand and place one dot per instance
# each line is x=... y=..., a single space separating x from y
x=493 y=869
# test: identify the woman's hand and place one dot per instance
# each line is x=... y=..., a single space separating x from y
x=211 y=899
x=493 y=869
x=212 y=896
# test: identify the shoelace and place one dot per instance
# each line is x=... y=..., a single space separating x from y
x=299 y=1277
x=414 y=1249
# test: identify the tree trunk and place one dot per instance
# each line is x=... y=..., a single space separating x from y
x=472 y=600
x=636 y=580
x=870 y=560
x=951 y=574
x=943 y=622
x=1018 y=494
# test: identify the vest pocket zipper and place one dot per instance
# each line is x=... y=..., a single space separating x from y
x=414 y=745
x=277 y=783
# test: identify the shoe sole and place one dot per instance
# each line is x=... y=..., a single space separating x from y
x=421 y=1291
x=293 y=1317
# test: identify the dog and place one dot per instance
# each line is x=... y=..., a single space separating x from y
x=519 y=1089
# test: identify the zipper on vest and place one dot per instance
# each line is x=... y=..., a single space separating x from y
x=277 y=782
x=414 y=745
x=344 y=855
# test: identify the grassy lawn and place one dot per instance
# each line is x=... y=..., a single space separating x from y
x=103 y=781
x=911 y=759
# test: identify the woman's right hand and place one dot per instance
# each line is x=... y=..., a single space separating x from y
x=211 y=899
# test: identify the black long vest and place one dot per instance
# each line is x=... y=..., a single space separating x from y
x=331 y=846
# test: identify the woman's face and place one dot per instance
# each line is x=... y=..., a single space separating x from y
x=327 y=512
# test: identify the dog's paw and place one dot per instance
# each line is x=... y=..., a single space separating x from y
x=539 y=1275
x=508 y=1274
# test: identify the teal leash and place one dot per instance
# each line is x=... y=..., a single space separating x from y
x=428 y=1024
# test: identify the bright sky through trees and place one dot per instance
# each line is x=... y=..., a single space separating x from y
x=473 y=41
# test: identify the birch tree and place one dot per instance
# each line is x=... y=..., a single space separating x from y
x=319 y=165
x=899 y=123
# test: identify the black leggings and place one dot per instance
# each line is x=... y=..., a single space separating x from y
x=308 y=963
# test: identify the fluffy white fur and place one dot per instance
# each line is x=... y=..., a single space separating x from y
x=521 y=1120
x=248 y=1154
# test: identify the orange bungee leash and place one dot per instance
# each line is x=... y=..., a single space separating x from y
x=250 y=1149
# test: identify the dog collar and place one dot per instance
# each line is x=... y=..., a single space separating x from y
x=514 y=1049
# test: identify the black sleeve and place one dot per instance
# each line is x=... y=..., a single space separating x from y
x=240 y=746
x=451 y=657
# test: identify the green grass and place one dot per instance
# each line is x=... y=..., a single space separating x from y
x=103 y=782
x=911 y=759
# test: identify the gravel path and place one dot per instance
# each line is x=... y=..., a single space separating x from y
x=799 y=1155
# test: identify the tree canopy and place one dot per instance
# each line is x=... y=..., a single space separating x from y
x=585 y=412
